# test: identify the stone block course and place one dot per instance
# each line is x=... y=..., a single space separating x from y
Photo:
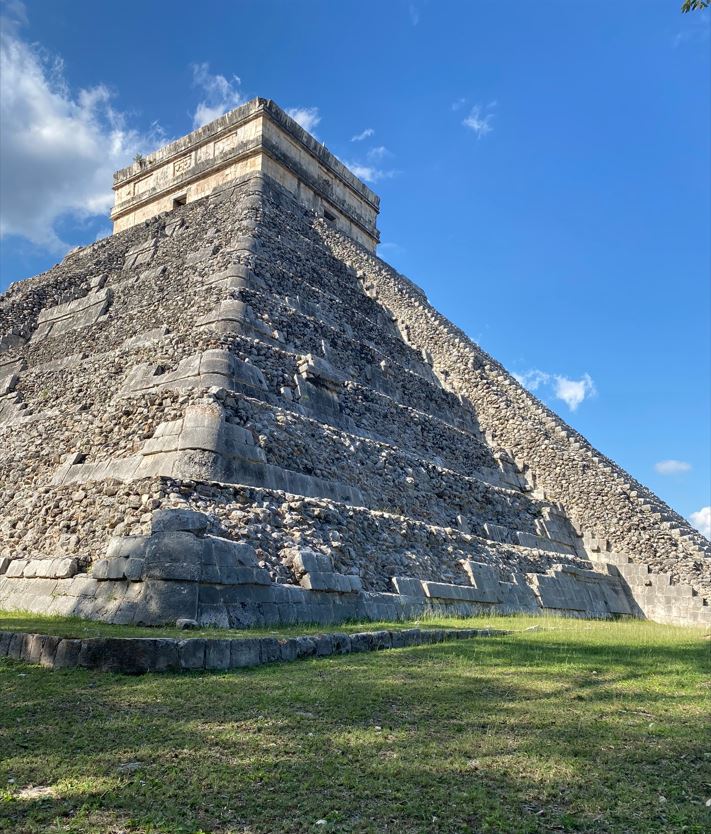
x=139 y=655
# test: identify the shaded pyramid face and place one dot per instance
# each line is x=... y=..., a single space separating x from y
x=235 y=413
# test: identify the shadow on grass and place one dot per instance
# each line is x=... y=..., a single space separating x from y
x=511 y=735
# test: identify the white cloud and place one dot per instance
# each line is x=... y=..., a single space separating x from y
x=364 y=134
x=574 y=391
x=532 y=379
x=307 y=117
x=58 y=147
x=672 y=467
x=220 y=94
x=457 y=104
x=370 y=170
x=479 y=119
x=702 y=521
x=390 y=246
x=381 y=152
x=14 y=14
x=570 y=391
x=369 y=173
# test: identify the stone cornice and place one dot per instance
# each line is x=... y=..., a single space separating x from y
x=240 y=116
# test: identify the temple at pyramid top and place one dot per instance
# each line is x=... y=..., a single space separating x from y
x=258 y=137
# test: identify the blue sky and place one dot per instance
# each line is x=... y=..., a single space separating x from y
x=543 y=168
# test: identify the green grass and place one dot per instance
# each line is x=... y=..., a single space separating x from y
x=577 y=726
x=76 y=627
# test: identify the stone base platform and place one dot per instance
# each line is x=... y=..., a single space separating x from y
x=181 y=571
x=138 y=655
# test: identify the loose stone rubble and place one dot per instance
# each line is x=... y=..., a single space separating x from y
x=235 y=413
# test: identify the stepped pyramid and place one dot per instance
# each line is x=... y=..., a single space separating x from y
x=233 y=411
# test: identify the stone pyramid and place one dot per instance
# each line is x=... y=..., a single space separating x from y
x=233 y=411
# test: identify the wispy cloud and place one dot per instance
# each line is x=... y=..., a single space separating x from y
x=364 y=134
x=307 y=117
x=480 y=118
x=371 y=168
x=59 y=146
x=570 y=391
x=381 y=152
x=701 y=519
x=220 y=94
x=414 y=13
x=369 y=173
x=533 y=380
x=457 y=104
x=672 y=467
x=390 y=246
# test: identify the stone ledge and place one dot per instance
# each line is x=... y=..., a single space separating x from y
x=138 y=655
x=57 y=568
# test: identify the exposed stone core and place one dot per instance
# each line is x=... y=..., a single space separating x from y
x=234 y=412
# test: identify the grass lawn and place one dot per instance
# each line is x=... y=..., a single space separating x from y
x=577 y=726
x=76 y=627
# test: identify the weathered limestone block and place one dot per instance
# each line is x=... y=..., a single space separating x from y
x=218 y=368
x=498 y=533
x=11 y=341
x=444 y=590
x=141 y=254
x=315 y=572
x=342 y=583
x=109 y=568
x=408 y=586
x=146 y=338
x=235 y=316
x=177 y=550
x=166 y=601
x=485 y=579
x=540 y=543
x=83 y=312
x=318 y=401
x=9 y=377
x=174 y=225
x=574 y=589
x=170 y=519
x=235 y=277
x=321 y=371
x=245 y=245
x=16 y=568
x=8 y=383
x=517 y=594
x=82 y=585
x=58 y=568
x=555 y=526
x=11 y=409
x=153 y=274
x=201 y=254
